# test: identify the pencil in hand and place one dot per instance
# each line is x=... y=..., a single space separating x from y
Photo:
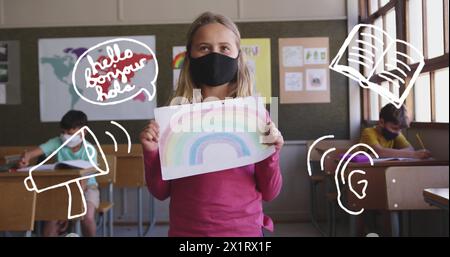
x=420 y=141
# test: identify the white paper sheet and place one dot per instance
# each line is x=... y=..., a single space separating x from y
x=211 y=136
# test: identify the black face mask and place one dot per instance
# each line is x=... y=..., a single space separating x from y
x=388 y=135
x=213 y=69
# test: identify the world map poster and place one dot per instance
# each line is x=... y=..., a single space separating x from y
x=57 y=59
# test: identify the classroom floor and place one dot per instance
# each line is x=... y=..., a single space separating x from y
x=281 y=229
x=160 y=230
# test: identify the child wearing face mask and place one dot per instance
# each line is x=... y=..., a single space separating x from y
x=227 y=202
x=70 y=123
x=387 y=139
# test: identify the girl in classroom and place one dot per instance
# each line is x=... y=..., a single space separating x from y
x=227 y=202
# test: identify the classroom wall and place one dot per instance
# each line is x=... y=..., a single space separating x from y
x=292 y=203
x=314 y=120
x=434 y=139
x=44 y=13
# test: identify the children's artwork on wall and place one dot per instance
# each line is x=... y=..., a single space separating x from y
x=257 y=53
x=304 y=74
x=293 y=81
x=293 y=56
x=131 y=88
x=316 y=79
x=178 y=55
x=3 y=72
x=316 y=56
x=10 y=75
x=192 y=135
x=3 y=62
x=2 y=93
x=3 y=52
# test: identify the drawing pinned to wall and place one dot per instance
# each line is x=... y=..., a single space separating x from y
x=3 y=62
x=65 y=85
x=257 y=52
x=293 y=81
x=316 y=79
x=10 y=74
x=192 y=134
x=304 y=74
x=251 y=64
x=3 y=72
x=397 y=68
x=316 y=56
x=2 y=93
x=178 y=56
x=293 y=56
x=3 y=52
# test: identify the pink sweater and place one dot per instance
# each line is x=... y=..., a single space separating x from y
x=222 y=203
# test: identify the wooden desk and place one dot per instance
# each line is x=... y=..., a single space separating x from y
x=393 y=186
x=331 y=163
x=17 y=205
x=380 y=185
x=437 y=197
x=51 y=204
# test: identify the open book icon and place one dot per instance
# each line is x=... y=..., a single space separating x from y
x=375 y=50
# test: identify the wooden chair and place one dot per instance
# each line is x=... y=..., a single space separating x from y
x=131 y=174
x=106 y=182
x=320 y=176
x=18 y=205
x=404 y=189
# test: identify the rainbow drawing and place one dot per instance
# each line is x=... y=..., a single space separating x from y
x=197 y=149
x=178 y=60
x=237 y=143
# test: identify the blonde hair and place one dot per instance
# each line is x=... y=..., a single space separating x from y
x=241 y=87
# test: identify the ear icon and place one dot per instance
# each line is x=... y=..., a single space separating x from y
x=361 y=194
x=344 y=179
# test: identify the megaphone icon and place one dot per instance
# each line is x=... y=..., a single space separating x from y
x=31 y=185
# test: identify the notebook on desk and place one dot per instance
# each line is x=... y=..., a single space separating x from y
x=395 y=159
x=73 y=164
x=362 y=158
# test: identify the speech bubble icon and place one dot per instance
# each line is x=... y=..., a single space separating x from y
x=116 y=71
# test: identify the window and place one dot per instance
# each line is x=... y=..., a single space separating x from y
x=425 y=25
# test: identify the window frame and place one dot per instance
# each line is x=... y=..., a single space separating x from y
x=431 y=64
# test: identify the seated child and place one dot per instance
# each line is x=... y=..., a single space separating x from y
x=70 y=123
x=386 y=137
x=387 y=140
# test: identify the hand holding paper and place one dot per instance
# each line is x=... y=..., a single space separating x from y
x=150 y=136
x=212 y=136
x=273 y=136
